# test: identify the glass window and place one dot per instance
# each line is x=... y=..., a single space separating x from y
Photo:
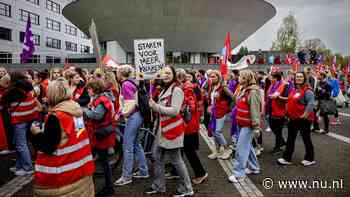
x=34 y=18
x=70 y=46
x=53 y=43
x=71 y=30
x=34 y=1
x=55 y=7
x=84 y=49
x=52 y=24
x=34 y=59
x=84 y=36
x=53 y=60
x=5 y=10
x=5 y=34
x=5 y=57
x=35 y=36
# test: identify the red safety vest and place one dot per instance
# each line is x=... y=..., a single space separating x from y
x=71 y=161
x=295 y=107
x=172 y=127
x=243 y=111
x=278 y=108
x=24 y=111
x=77 y=93
x=105 y=122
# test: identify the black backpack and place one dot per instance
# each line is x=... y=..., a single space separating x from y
x=143 y=105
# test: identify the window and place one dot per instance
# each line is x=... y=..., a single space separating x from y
x=34 y=18
x=35 y=36
x=5 y=34
x=53 y=60
x=53 y=43
x=34 y=1
x=84 y=49
x=55 y=7
x=52 y=24
x=5 y=10
x=70 y=46
x=84 y=36
x=34 y=59
x=71 y=30
x=5 y=58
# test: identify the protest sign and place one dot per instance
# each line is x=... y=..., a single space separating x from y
x=95 y=42
x=149 y=57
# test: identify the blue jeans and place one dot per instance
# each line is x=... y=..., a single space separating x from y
x=24 y=160
x=218 y=136
x=132 y=146
x=245 y=155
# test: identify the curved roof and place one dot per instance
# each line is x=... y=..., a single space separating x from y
x=186 y=25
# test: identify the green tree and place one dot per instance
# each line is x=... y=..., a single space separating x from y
x=243 y=51
x=287 y=36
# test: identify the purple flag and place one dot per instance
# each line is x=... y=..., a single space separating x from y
x=28 y=47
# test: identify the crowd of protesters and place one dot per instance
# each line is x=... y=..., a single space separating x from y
x=67 y=121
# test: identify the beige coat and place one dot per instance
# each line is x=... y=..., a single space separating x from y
x=82 y=188
x=173 y=110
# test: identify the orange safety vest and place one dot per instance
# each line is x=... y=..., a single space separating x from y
x=24 y=111
x=105 y=122
x=71 y=161
x=278 y=108
x=172 y=127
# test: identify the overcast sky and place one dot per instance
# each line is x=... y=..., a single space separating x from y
x=328 y=20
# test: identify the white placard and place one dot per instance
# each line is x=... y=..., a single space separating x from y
x=149 y=57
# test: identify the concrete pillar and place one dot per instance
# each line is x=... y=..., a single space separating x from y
x=116 y=51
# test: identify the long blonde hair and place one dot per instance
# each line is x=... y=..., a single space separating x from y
x=248 y=76
x=58 y=91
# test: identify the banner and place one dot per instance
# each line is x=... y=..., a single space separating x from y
x=242 y=63
x=109 y=62
x=95 y=42
x=149 y=57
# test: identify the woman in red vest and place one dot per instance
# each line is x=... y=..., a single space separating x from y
x=79 y=92
x=23 y=109
x=277 y=96
x=4 y=145
x=192 y=95
x=218 y=108
x=103 y=136
x=64 y=164
x=170 y=135
x=300 y=113
x=249 y=108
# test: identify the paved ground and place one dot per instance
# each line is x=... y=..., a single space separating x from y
x=332 y=156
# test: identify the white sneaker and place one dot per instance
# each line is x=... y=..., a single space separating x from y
x=213 y=156
x=13 y=169
x=22 y=172
x=308 y=163
x=234 y=179
x=122 y=181
x=257 y=151
x=5 y=152
x=226 y=154
x=249 y=171
x=283 y=161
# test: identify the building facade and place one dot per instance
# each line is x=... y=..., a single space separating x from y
x=55 y=37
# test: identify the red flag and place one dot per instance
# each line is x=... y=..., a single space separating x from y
x=226 y=53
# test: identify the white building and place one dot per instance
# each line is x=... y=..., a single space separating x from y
x=55 y=37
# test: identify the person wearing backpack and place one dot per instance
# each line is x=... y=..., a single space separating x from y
x=132 y=136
